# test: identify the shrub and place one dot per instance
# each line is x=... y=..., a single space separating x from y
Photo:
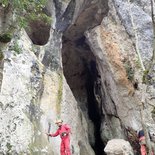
x=27 y=10
x=5 y=38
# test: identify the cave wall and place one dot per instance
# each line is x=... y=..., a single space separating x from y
x=119 y=80
x=113 y=45
x=32 y=98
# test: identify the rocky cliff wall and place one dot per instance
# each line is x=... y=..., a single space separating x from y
x=87 y=73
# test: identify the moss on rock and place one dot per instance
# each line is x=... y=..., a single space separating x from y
x=1 y=56
x=9 y=146
x=5 y=38
x=59 y=95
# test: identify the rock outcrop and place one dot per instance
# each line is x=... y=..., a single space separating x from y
x=118 y=147
x=84 y=70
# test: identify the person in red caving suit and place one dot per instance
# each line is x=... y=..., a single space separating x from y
x=64 y=131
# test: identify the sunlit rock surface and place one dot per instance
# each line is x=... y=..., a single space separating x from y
x=86 y=71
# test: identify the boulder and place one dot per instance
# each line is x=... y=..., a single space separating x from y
x=118 y=147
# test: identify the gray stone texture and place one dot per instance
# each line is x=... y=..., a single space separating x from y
x=34 y=91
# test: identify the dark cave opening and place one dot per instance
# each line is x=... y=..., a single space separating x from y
x=79 y=65
x=38 y=27
x=38 y=31
x=94 y=111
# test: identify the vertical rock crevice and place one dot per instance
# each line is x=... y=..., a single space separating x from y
x=94 y=105
x=80 y=70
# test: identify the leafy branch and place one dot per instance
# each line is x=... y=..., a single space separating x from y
x=26 y=10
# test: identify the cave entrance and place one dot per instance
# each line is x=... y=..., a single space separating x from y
x=80 y=70
x=94 y=106
x=38 y=26
x=38 y=31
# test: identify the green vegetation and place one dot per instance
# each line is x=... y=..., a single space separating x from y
x=16 y=48
x=1 y=56
x=129 y=71
x=9 y=146
x=59 y=95
x=24 y=5
x=40 y=16
x=153 y=111
x=27 y=10
x=137 y=63
x=5 y=38
x=145 y=76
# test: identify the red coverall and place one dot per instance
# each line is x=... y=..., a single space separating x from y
x=142 y=146
x=143 y=143
x=65 y=140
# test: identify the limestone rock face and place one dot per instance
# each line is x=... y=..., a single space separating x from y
x=20 y=90
x=118 y=147
x=142 y=21
x=87 y=73
x=31 y=99
x=112 y=44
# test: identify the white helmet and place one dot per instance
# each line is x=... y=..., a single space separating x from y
x=58 y=121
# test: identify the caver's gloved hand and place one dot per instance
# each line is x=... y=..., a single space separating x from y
x=64 y=134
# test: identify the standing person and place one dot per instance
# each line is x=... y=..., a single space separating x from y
x=63 y=130
x=142 y=142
